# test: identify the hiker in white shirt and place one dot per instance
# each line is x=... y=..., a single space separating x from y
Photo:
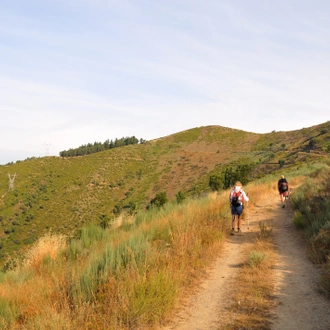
x=237 y=197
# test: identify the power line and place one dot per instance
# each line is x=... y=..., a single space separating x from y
x=47 y=147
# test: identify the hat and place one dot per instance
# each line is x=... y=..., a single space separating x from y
x=238 y=184
x=282 y=176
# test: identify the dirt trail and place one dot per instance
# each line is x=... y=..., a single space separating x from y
x=298 y=304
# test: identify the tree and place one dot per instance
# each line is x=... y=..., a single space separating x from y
x=91 y=148
x=132 y=207
x=180 y=196
x=160 y=199
x=216 y=182
x=281 y=162
x=104 y=221
x=312 y=144
x=116 y=210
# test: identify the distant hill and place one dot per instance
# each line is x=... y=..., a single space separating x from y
x=62 y=194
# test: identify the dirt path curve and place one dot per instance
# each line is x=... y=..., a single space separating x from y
x=298 y=304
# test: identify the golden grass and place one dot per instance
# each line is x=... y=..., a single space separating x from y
x=179 y=244
x=47 y=246
x=252 y=299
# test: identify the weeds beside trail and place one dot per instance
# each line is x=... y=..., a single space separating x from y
x=252 y=300
x=126 y=278
x=312 y=215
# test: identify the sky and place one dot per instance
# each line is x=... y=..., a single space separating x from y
x=74 y=72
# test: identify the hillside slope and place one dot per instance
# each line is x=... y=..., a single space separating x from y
x=63 y=194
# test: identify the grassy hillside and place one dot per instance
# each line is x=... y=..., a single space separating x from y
x=63 y=194
x=133 y=276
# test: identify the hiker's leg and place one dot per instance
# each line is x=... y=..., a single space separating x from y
x=239 y=220
x=233 y=222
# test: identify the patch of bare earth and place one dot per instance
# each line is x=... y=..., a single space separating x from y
x=298 y=304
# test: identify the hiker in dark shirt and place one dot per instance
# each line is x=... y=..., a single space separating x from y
x=283 y=189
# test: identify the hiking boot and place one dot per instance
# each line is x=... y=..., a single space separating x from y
x=239 y=232
x=283 y=206
x=232 y=232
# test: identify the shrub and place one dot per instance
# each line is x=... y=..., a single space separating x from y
x=160 y=199
x=216 y=182
x=255 y=258
x=116 y=210
x=180 y=197
x=29 y=240
x=299 y=220
x=321 y=245
x=104 y=221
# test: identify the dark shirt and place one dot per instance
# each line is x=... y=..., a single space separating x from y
x=279 y=184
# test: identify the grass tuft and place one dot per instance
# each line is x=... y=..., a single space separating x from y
x=255 y=258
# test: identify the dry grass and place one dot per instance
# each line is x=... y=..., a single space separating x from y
x=48 y=246
x=32 y=289
x=252 y=298
x=161 y=259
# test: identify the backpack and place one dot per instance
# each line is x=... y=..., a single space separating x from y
x=284 y=186
x=234 y=199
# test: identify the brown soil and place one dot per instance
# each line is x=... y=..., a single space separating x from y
x=298 y=304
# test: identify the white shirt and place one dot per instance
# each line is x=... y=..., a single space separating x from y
x=242 y=197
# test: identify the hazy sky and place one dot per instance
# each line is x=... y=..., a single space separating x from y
x=79 y=71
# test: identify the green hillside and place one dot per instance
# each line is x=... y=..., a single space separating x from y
x=62 y=194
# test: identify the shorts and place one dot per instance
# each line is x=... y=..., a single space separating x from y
x=237 y=210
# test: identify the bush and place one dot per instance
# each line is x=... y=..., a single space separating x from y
x=104 y=221
x=29 y=240
x=255 y=258
x=321 y=246
x=180 y=197
x=216 y=182
x=160 y=199
x=116 y=210
x=299 y=220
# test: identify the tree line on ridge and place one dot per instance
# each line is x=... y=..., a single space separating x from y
x=92 y=148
